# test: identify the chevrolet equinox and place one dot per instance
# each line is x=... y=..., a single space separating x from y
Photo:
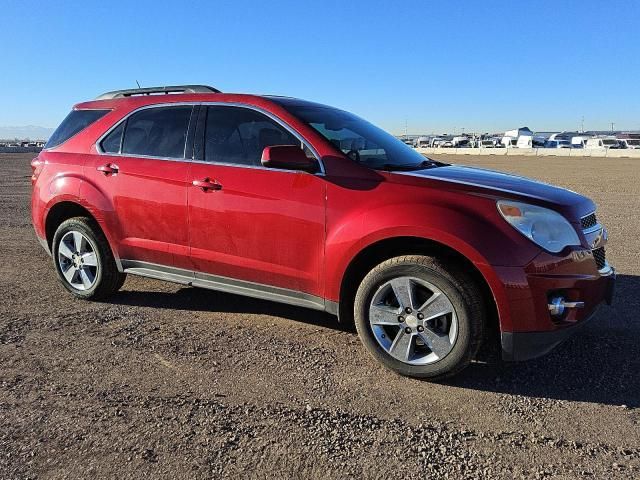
x=297 y=202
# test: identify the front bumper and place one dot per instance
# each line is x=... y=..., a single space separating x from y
x=534 y=330
x=520 y=346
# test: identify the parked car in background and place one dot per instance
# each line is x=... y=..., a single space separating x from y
x=491 y=143
x=557 y=144
x=607 y=142
x=301 y=203
x=632 y=143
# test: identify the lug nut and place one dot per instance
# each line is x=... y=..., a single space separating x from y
x=401 y=319
x=407 y=330
x=420 y=328
x=408 y=310
x=420 y=316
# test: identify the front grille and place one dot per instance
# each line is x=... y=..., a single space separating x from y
x=599 y=256
x=589 y=221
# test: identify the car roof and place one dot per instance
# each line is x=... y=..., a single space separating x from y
x=144 y=100
x=139 y=97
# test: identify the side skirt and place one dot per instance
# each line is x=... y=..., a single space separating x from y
x=229 y=285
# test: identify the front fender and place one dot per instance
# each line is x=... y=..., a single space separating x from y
x=468 y=231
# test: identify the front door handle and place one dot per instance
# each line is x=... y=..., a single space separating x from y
x=108 y=169
x=207 y=184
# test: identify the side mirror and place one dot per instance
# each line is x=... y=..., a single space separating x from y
x=288 y=157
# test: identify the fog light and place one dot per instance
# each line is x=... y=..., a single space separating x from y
x=558 y=305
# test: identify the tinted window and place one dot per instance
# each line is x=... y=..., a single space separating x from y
x=111 y=143
x=238 y=135
x=157 y=132
x=76 y=121
x=357 y=138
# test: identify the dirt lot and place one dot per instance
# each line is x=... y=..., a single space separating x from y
x=164 y=381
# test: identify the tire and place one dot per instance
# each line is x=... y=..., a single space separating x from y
x=445 y=344
x=93 y=274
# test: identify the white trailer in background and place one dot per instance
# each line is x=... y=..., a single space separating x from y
x=518 y=132
x=490 y=143
x=422 y=142
x=509 y=142
x=579 y=142
x=460 y=141
x=525 y=141
x=513 y=138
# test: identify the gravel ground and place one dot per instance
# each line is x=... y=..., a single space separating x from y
x=164 y=381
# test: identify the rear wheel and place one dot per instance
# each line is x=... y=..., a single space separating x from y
x=83 y=260
x=419 y=316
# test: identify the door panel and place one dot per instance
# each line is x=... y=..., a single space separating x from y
x=148 y=190
x=263 y=225
x=150 y=201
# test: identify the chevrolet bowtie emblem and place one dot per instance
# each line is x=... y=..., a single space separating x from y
x=600 y=239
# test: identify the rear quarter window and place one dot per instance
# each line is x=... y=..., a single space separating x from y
x=74 y=123
x=113 y=141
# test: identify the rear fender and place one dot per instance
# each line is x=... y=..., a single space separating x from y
x=97 y=203
x=101 y=207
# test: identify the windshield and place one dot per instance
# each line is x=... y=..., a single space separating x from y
x=610 y=142
x=358 y=139
x=633 y=142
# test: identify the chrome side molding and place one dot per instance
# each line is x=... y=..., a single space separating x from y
x=229 y=285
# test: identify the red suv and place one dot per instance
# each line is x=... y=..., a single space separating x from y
x=301 y=203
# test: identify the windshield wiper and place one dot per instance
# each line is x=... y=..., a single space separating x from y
x=411 y=166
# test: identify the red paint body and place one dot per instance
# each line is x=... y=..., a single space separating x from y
x=301 y=231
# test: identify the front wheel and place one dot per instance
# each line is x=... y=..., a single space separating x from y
x=83 y=259
x=420 y=316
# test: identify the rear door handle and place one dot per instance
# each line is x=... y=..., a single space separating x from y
x=108 y=169
x=207 y=184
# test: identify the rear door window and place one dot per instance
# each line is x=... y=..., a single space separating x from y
x=75 y=122
x=157 y=132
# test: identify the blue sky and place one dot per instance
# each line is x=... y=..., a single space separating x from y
x=438 y=66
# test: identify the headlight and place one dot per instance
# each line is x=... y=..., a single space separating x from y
x=545 y=227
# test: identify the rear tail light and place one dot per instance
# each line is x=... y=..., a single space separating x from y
x=36 y=168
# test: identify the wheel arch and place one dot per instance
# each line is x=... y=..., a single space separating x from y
x=381 y=250
x=65 y=210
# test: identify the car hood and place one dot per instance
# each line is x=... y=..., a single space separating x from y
x=504 y=185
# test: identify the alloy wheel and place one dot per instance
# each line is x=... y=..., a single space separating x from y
x=413 y=320
x=77 y=260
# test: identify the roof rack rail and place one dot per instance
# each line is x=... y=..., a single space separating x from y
x=158 y=90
